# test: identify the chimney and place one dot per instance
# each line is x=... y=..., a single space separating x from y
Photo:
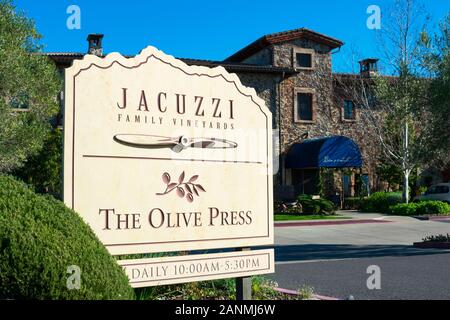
x=95 y=44
x=368 y=67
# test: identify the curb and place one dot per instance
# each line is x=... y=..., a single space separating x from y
x=432 y=218
x=327 y=223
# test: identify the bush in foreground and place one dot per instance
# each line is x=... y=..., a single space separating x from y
x=39 y=239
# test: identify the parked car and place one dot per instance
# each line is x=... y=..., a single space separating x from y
x=440 y=191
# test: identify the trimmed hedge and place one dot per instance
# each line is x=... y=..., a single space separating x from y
x=39 y=239
x=316 y=206
x=380 y=202
x=421 y=208
x=403 y=209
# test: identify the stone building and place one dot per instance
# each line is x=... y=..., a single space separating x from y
x=292 y=72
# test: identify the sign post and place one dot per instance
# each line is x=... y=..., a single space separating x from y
x=243 y=285
x=160 y=156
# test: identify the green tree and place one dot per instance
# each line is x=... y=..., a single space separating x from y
x=389 y=173
x=436 y=60
x=395 y=108
x=404 y=99
x=29 y=85
x=407 y=112
x=43 y=171
x=401 y=134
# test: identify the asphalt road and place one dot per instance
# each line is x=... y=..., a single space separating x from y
x=334 y=260
x=401 y=277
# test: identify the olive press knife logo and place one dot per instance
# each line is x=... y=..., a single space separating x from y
x=176 y=143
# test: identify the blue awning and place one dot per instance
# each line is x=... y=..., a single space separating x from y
x=329 y=152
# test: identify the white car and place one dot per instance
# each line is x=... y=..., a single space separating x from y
x=440 y=191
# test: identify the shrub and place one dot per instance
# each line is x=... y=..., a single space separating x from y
x=380 y=202
x=403 y=209
x=315 y=206
x=311 y=208
x=303 y=197
x=420 y=208
x=326 y=206
x=39 y=239
x=433 y=207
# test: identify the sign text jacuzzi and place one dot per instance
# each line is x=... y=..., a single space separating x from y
x=200 y=106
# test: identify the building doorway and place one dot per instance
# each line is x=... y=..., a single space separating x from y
x=347 y=185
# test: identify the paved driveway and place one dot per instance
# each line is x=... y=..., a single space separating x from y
x=334 y=259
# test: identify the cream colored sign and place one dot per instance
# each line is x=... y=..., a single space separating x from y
x=179 y=269
x=161 y=156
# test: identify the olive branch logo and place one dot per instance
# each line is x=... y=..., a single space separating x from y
x=183 y=188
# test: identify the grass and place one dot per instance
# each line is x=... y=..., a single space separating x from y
x=289 y=217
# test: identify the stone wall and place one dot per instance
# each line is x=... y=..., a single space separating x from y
x=279 y=96
x=328 y=118
x=318 y=79
x=283 y=53
x=266 y=86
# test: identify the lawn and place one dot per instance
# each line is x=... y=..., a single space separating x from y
x=287 y=217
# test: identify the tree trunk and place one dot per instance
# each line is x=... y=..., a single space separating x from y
x=406 y=170
x=406 y=187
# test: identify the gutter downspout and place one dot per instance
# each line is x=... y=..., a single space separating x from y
x=338 y=50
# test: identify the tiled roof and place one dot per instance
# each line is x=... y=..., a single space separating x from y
x=269 y=39
x=239 y=67
x=349 y=78
x=65 y=59
x=68 y=54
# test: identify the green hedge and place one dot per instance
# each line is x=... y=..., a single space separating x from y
x=316 y=206
x=421 y=208
x=39 y=239
x=380 y=202
x=403 y=209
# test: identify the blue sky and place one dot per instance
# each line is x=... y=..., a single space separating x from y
x=205 y=29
